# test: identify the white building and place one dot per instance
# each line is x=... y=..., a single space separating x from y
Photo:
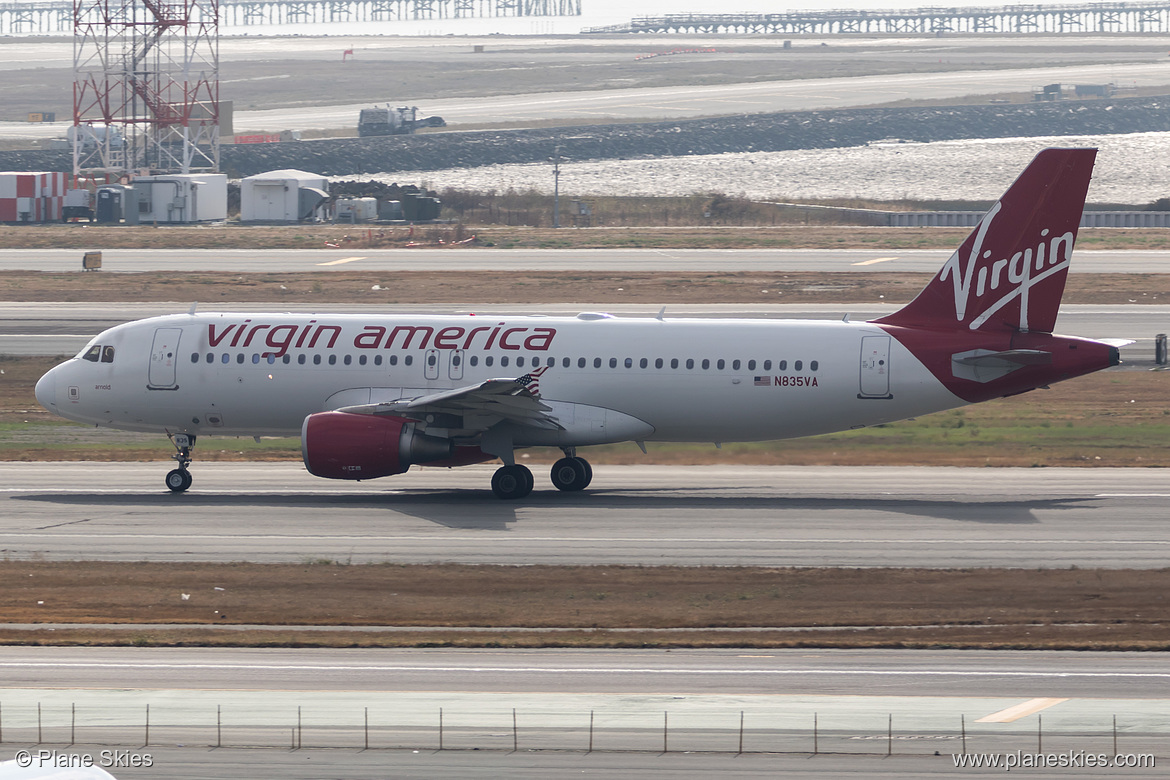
x=190 y=197
x=281 y=196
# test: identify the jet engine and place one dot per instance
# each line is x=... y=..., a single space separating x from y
x=341 y=445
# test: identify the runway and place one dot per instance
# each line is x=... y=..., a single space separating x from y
x=690 y=101
x=638 y=515
x=582 y=705
x=548 y=260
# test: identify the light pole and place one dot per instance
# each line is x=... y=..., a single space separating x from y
x=557 y=187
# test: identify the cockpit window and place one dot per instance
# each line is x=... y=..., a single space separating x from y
x=107 y=354
x=92 y=354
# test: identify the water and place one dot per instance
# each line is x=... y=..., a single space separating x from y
x=1131 y=168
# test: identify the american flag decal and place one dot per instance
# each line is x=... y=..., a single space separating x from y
x=531 y=381
x=762 y=381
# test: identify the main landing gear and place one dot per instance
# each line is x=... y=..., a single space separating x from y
x=178 y=480
x=570 y=473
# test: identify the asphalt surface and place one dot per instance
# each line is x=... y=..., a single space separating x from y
x=722 y=515
x=568 y=260
x=615 y=713
x=691 y=100
x=722 y=99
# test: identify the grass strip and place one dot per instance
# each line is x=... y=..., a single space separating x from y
x=865 y=288
x=880 y=607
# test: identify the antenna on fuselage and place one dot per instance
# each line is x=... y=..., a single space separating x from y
x=191 y=311
x=661 y=313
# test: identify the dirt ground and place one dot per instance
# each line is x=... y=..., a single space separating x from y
x=1067 y=608
x=329 y=237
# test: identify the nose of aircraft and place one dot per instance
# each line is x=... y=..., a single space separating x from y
x=46 y=390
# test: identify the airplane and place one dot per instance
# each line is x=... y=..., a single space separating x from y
x=52 y=765
x=371 y=395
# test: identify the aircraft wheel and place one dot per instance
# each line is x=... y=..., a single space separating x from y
x=570 y=474
x=588 y=471
x=511 y=482
x=178 y=480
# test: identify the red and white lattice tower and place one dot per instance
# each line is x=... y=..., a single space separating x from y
x=145 y=87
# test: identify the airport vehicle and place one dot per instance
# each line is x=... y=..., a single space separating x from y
x=372 y=395
x=402 y=120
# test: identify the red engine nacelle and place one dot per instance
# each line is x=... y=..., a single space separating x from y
x=340 y=445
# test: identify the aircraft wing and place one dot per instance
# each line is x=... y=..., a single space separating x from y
x=515 y=400
x=12 y=770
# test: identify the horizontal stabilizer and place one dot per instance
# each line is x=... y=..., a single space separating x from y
x=984 y=365
x=1023 y=357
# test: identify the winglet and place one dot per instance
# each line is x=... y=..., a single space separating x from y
x=1009 y=274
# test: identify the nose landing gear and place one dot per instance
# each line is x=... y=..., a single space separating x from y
x=178 y=480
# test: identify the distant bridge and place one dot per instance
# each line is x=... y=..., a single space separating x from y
x=1136 y=17
x=56 y=16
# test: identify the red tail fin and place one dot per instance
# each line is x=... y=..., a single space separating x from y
x=1009 y=274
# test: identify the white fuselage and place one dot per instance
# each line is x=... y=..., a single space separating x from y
x=657 y=380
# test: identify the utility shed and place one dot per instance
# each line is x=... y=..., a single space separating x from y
x=281 y=196
x=31 y=196
x=181 y=197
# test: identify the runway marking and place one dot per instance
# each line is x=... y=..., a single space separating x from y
x=1132 y=495
x=1012 y=714
x=342 y=260
x=581 y=670
x=875 y=261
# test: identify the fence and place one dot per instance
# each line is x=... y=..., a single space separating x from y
x=878 y=217
x=586 y=731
